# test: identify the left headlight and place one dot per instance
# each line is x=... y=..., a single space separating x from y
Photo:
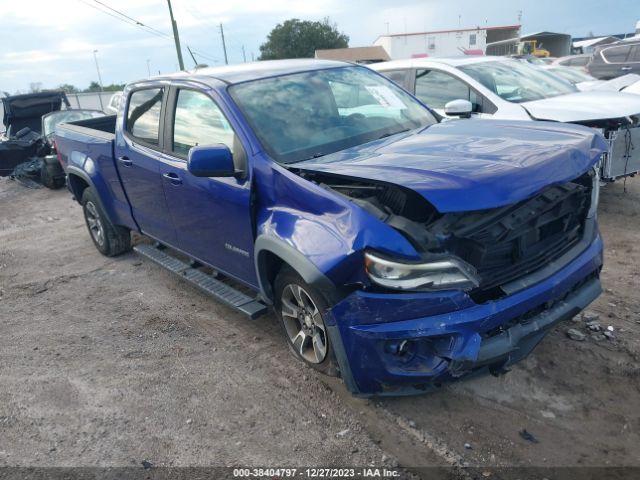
x=447 y=273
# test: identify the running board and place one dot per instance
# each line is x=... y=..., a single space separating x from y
x=210 y=285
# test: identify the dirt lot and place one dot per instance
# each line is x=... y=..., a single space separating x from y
x=111 y=362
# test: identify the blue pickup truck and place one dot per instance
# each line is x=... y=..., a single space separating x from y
x=399 y=252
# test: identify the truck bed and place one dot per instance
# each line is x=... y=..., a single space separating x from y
x=100 y=127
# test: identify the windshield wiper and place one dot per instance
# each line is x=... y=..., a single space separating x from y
x=389 y=134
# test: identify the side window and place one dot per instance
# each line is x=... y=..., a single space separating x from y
x=199 y=121
x=436 y=89
x=396 y=76
x=617 y=54
x=143 y=115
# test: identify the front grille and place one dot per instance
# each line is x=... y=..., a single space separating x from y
x=528 y=316
x=507 y=243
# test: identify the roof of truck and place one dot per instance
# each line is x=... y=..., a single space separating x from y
x=253 y=71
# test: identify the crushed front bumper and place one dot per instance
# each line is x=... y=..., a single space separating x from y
x=395 y=344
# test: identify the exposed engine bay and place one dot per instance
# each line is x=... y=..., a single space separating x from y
x=502 y=244
x=623 y=137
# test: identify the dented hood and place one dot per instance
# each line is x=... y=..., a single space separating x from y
x=584 y=106
x=471 y=165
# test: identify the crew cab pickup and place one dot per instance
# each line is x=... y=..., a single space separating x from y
x=398 y=252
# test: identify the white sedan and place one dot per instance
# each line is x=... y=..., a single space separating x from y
x=503 y=88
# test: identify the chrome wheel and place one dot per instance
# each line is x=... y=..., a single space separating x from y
x=303 y=323
x=95 y=224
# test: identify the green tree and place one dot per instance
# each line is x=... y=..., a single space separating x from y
x=114 y=87
x=93 y=87
x=301 y=38
x=68 y=88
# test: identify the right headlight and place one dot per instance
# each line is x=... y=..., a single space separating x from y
x=447 y=273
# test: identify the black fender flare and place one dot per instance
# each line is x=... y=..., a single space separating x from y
x=72 y=170
x=301 y=264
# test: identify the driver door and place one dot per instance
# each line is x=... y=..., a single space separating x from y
x=211 y=216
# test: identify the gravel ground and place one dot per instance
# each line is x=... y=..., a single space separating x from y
x=111 y=362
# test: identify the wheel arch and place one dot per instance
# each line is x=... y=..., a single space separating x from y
x=271 y=254
x=78 y=183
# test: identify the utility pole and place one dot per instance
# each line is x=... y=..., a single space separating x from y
x=224 y=46
x=95 y=57
x=252 y=58
x=176 y=37
x=149 y=67
x=244 y=55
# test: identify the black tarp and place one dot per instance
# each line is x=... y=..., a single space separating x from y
x=26 y=110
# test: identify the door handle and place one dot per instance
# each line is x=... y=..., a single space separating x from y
x=625 y=69
x=173 y=178
x=126 y=161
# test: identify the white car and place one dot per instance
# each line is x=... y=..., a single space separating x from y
x=114 y=103
x=585 y=82
x=503 y=88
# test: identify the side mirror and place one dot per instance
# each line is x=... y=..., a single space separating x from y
x=458 y=108
x=211 y=161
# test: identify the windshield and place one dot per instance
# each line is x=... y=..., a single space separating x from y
x=518 y=82
x=573 y=75
x=310 y=114
x=51 y=121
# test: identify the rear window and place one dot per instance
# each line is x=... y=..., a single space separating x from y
x=143 y=115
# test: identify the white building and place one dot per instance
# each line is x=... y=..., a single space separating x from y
x=441 y=43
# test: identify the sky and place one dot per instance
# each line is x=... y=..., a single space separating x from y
x=52 y=41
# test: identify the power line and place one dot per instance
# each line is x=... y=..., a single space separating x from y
x=123 y=17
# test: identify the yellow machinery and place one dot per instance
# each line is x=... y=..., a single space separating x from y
x=530 y=47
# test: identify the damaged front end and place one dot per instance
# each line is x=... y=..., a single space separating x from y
x=622 y=157
x=488 y=287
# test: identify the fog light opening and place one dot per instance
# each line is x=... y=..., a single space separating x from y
x=398 y=348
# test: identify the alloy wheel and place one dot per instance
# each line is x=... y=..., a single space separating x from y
x=95 y=223
x=303 y=323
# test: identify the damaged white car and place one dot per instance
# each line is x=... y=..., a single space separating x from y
x=501 y=88
x=585 y=82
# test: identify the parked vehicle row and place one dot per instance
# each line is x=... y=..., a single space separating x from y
x=503 y=88
x=399 y=251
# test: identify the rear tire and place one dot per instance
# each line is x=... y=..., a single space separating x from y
x=301 y=309
x=109 y=239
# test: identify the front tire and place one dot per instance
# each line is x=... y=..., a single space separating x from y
x=109 y=239
x=301 y=309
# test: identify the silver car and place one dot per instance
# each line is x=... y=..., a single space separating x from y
x=502 y=88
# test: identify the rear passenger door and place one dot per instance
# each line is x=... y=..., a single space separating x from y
x=138 y=151
x=211 y=215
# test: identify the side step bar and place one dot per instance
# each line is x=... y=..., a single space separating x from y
x=214 y=287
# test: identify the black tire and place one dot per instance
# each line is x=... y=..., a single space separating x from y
x=286 y=278
x=109 y=239
x=49 y=179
